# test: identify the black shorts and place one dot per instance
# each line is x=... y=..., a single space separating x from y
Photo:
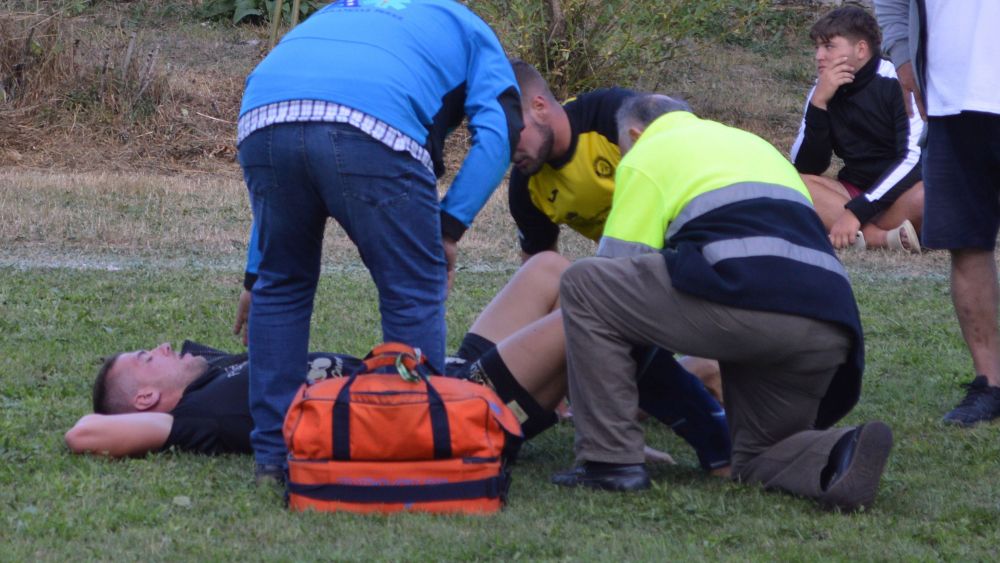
x=962 y=181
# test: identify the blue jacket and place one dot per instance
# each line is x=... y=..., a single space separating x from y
x=419 y=65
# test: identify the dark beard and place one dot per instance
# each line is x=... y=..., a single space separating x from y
x=548 y=138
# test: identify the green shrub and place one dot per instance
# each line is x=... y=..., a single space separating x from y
x=255 y=10
x=593 y=43
x=589 y=43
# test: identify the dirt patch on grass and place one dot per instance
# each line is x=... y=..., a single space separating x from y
x=117 y=130
x=116 y=220
x=101 y=92
x=145 y=85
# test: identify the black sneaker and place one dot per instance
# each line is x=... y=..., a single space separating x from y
x=981 y=404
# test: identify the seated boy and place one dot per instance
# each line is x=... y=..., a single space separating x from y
x=856 y=111
x=197 y=400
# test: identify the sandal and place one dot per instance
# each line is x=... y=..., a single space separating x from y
x=894 y=238
x=859 y=242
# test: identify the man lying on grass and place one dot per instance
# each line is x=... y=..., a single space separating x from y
x=197 y=400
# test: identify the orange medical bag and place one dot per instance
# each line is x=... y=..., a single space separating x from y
x=405 y=440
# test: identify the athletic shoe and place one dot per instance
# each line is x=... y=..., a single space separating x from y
x=981 y=404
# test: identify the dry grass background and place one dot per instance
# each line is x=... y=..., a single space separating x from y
x=117 y=139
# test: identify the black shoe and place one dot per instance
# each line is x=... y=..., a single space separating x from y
x=268 y=474
x=605 y=476
x=981 y=404
x=856 y=466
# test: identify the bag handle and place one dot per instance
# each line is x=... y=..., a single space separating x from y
x=404 y=358
x=440 y=428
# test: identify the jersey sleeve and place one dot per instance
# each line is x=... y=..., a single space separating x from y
x=637 y=221
x=812 y=150
x=903 y=173
x=894 y=19
x=493 y=105
x=210 y=435
x=535 y=231
x=198 y=435
x=597 y=110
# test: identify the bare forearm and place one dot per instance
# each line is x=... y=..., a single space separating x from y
x=119 y=435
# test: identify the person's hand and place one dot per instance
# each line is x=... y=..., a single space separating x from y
x=242 y=315
x=451 y=256
x=910 y=90
x=844 y=230
x=831 y=78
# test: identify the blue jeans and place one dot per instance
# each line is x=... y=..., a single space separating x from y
x=298 y=174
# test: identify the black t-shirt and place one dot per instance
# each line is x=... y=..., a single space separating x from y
x=213 y=415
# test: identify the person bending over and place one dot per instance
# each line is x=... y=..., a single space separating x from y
x=564 y=172
x=347 y=118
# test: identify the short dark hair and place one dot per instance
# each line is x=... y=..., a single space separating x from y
x=849 y=22
x=102 y=395
x=643 y=109
x=528 y=79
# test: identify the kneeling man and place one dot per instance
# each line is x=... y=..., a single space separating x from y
x=712 y=248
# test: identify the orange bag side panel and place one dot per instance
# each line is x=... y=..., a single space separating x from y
x=390 y=419
x=399 y=473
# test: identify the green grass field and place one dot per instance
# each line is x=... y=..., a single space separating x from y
x=939 y=498
x=123 y=223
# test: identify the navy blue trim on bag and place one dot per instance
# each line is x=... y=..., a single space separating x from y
x=342 y=422
x=491 y=487
x=341 y=432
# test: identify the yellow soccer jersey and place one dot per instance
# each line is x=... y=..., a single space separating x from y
x=575 y=189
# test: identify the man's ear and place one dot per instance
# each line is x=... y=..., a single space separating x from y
x=539 y=107
x=634 y=133
x=146 y=399
x=862 y=49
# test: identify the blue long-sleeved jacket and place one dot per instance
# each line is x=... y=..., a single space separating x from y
x=419 y=65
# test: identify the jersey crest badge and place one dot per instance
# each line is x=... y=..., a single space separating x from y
x=603 y=167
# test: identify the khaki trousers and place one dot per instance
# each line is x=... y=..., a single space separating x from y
x=775 y=369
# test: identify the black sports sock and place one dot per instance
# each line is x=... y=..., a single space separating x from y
x=534 y=419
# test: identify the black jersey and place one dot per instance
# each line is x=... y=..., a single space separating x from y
x=866 y=125
x=213 y=415
x=576 y=188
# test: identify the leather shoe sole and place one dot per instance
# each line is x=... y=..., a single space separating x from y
x=622 y=478
x=857 y=486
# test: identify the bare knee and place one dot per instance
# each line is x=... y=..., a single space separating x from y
x=547 y=263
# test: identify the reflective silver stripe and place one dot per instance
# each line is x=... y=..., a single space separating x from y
x=802 y=129
x=610 y=247
x=771 y=246
x=743 y=191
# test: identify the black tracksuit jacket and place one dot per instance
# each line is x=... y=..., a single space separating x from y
x=865 y=124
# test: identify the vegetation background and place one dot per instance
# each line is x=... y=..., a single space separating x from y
x=123 y=223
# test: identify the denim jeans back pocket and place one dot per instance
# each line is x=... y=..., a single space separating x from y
x=373 y=173
x=255 y=159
